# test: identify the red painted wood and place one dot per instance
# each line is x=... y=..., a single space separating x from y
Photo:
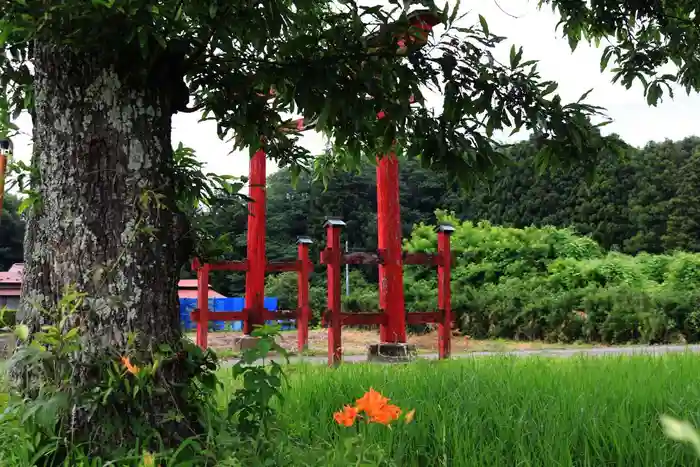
x=283 y=266
x=3 y=170
x=361 y=257
x=303 y=297
x=229 y=266
x=255 y=275
x=424 y=317
x=220 y=316
x=333 y=255
x=422 y=258
x=362 y=319
x=269 y=315
x=381 y=242
x=391 y=293
x=203 y=305
x=444 y=296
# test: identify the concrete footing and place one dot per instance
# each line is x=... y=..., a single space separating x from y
x=244 y=343
x=391 y=353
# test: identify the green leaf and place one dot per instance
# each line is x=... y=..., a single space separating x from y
x=72 y=334
x=654 y=93
x=161 y=41
x=681 y=431
x=605 y=58
x=22 y=332
x=4 y=33
x=550 y=88
x=484 y=25
x=584 y=96
x=454 y=14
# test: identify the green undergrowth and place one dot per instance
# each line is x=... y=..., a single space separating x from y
x=581 y=411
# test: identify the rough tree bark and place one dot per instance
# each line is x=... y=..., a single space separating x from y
x=102 y=142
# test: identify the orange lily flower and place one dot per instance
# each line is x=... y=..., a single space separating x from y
x=377 y=407
x=409 y=416
x=133 y=369
x=346 y=417
x=371 y=402
x=386 y=414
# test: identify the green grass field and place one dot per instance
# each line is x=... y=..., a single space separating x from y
x=497 y=411
x=510 y=411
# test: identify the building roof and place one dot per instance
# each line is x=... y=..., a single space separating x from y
x=187 y=288
x=11 y=284
x=13 y=276
x=192 y=293
x=188 y=284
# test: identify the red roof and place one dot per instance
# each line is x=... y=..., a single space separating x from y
x=187 y=288
x=13 y=276
x=192 y=293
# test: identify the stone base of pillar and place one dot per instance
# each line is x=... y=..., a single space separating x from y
x=391 y=353
x=245 y=343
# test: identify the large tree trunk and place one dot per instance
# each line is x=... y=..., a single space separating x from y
x=106 y=222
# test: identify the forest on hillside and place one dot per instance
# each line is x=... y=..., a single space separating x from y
x=646 y=201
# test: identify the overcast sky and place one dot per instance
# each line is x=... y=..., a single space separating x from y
x=524 y=25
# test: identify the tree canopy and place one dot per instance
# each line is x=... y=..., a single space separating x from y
x=249 y=64
x=655 y=43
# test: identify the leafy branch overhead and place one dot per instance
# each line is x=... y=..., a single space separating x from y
x=249 y=65
x=656 y=43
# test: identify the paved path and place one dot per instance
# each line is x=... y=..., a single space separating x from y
x=593 y=352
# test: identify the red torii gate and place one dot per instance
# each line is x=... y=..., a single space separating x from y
x=391 y=318
x=393 y=321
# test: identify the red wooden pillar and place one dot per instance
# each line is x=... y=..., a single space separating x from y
x=202 y=304
x=303 y=309
x=255 y=275
x=444 y=292
x=391 y=294
x=5 y=153
x=332 y=259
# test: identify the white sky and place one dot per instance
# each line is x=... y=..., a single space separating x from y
x=535 y=31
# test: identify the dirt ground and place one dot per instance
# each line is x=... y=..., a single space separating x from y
x=355 y=342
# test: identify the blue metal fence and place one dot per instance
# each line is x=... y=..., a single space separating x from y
x=187 y=305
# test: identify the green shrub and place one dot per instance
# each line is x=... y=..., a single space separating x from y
x=684 y=271
x=547 y=283
x=540 y=283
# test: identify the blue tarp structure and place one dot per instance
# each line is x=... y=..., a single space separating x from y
x=187 y=305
